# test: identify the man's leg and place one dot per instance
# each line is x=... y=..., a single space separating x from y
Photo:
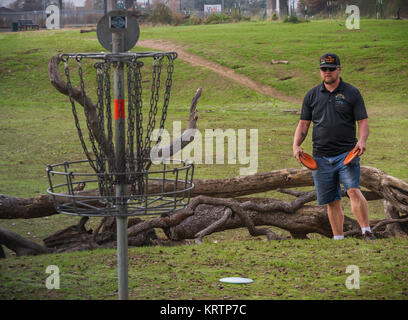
x=359 y=207
x=336 y=217
x=350 y=176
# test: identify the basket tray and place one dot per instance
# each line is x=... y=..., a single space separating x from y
x=165 y=190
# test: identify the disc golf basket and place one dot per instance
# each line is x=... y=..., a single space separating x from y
x=117 y=141
x=120 y=157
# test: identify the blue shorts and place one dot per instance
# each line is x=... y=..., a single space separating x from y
x=330 y=172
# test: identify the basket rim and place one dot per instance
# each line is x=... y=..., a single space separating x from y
x=173 y=194
x=117 y=56
x=187 y=164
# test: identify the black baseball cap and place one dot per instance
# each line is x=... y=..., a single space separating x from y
x=329 y=60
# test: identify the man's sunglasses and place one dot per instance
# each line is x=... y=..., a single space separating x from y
x=324 y=69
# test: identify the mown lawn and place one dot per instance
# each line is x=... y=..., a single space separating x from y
x=291 y=269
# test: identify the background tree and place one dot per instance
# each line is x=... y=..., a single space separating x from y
x=161 y=13
x=25 y=5
x=367 y=7
x=94 y=4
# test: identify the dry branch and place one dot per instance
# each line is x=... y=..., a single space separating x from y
x=214 y=226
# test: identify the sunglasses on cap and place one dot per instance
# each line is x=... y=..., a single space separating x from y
x=324 y=69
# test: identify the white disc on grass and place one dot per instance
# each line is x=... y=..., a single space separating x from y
x=236 y=280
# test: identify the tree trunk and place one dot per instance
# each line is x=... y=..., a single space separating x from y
x=20 y=245
x=215 y=207
x=43 y=205
x=26 y=208
x=395 y=229
x=77 y=237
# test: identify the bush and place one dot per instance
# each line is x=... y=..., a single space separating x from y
x=215 y=18
x=176 y=18
x=292 y=19
x=161 y=14
x=194 y=20
x=275 y=16
x=237 y=16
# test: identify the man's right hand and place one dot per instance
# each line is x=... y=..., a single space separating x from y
x=297 y=152
x=300 y=135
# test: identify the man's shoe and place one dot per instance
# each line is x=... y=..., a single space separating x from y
x=369 y=236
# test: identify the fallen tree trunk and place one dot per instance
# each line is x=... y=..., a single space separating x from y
x=381 y=186
x=214 y=208
x=26 y=208
x=204 y=212
x=20 y=245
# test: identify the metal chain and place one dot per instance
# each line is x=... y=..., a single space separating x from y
x=166 y=100
x=77 y=125
x=102 y=183
x=107 y=89
x=139 y=106
x=99 y=161
x=103 y=146
x=120 y=163
x=170 y=69
x=131 y=126
x=139 y=124
x=154 y=98
x=135 y=115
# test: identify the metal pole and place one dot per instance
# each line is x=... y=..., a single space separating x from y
x=61 y=15
x=120 y=146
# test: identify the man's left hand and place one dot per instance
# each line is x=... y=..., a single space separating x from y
x=361 y=146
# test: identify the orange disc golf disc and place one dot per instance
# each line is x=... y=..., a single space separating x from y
x=308 y=161
x=351 y=155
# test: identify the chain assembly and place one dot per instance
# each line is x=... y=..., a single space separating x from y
x=99 y=144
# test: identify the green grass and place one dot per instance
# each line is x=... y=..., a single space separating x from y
x=372 y=57
x=37 y=128
x=295 y=269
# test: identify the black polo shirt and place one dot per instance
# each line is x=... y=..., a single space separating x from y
x=334 y=115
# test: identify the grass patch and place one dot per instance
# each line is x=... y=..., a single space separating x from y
x=293 y=269
x=372 y=57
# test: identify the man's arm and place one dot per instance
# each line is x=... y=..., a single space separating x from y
x=299 y=137
x=363 y=132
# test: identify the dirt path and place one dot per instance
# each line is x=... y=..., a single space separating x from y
x=225 y=72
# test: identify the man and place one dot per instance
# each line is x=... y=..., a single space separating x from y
x=334 y=107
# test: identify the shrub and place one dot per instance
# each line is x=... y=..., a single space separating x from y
x=216 y=18
x=161 y=14
x=194 y=20
x=176 y=18
x=292 y=19
x=237 y=16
